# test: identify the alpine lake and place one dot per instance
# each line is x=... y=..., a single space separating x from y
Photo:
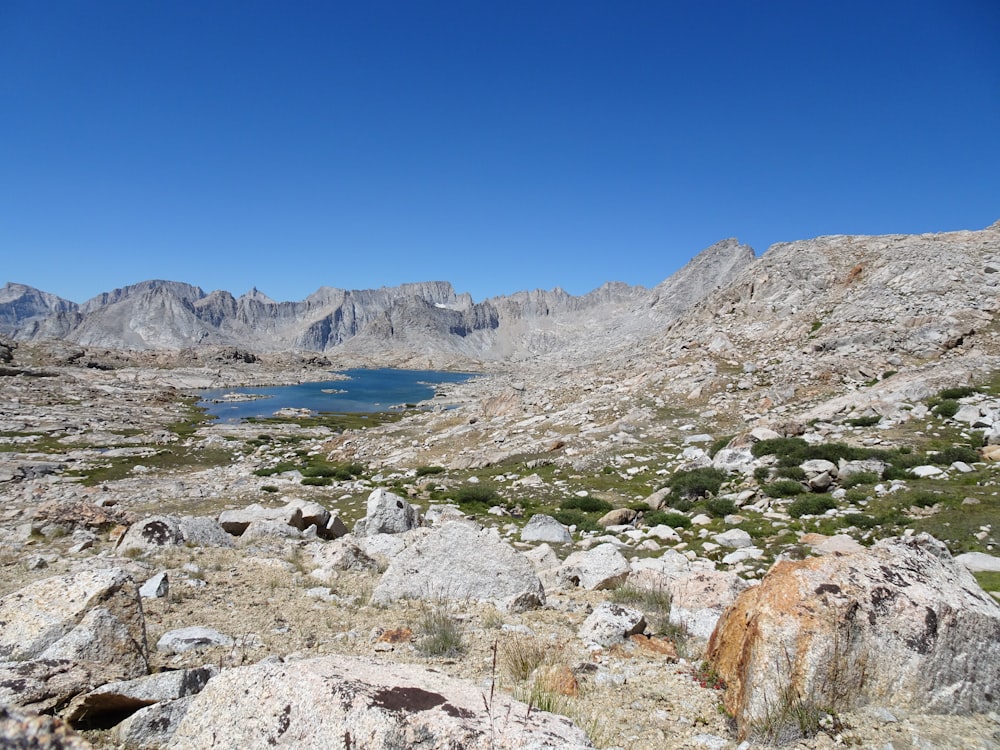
x=357 y=395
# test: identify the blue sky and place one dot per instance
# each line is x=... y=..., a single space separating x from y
x=497 y=145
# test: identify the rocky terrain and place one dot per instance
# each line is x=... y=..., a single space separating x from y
x=754 y=506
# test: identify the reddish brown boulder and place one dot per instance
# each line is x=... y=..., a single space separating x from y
x=899 y=625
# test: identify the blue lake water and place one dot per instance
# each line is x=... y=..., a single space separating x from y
x=363 y=391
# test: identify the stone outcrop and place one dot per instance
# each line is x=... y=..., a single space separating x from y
x=117 y=698
x=900 y=625
x=459 y=561
x=95 y=615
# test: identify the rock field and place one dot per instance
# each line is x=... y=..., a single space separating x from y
x=768 y=518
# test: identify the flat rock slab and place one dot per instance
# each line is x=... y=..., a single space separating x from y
x=340 y=702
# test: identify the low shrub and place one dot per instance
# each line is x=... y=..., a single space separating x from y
x=587 y=505
x=956 y=453
x=682 y=504
x=811 y=505
x=951 y=394
x=783 y=488
x=791 y=472
x=719 y=444
x=718 y=507
x=317 y=481
x=475 y=493
x=674 y=520
x=270 y=471
x=423 y=471
x=697 y=482
x=947 y=408
x=864 y=421
x=860 y=520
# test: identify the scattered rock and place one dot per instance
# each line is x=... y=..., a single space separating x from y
x=611 y=623
x=543 y=528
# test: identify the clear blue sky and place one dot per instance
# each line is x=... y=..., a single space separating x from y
x=497 y=145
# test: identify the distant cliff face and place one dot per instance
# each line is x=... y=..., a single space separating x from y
x=424 y=317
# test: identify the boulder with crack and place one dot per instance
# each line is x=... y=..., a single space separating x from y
x=63 y=635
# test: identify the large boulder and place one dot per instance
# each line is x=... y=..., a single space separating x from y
x=459 y=561
x=156 y=532
x=92 y=614
x=543 y=528
x=387 y=513
x=236 y=522
x=901 y=625
x=348 y=702
x=340 y=554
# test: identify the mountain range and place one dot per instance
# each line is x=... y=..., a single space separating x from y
x=870 y=301
x=427 y=316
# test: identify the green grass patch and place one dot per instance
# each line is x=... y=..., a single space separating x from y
x=339 y=421
x=988 y=580
x=178 y=458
